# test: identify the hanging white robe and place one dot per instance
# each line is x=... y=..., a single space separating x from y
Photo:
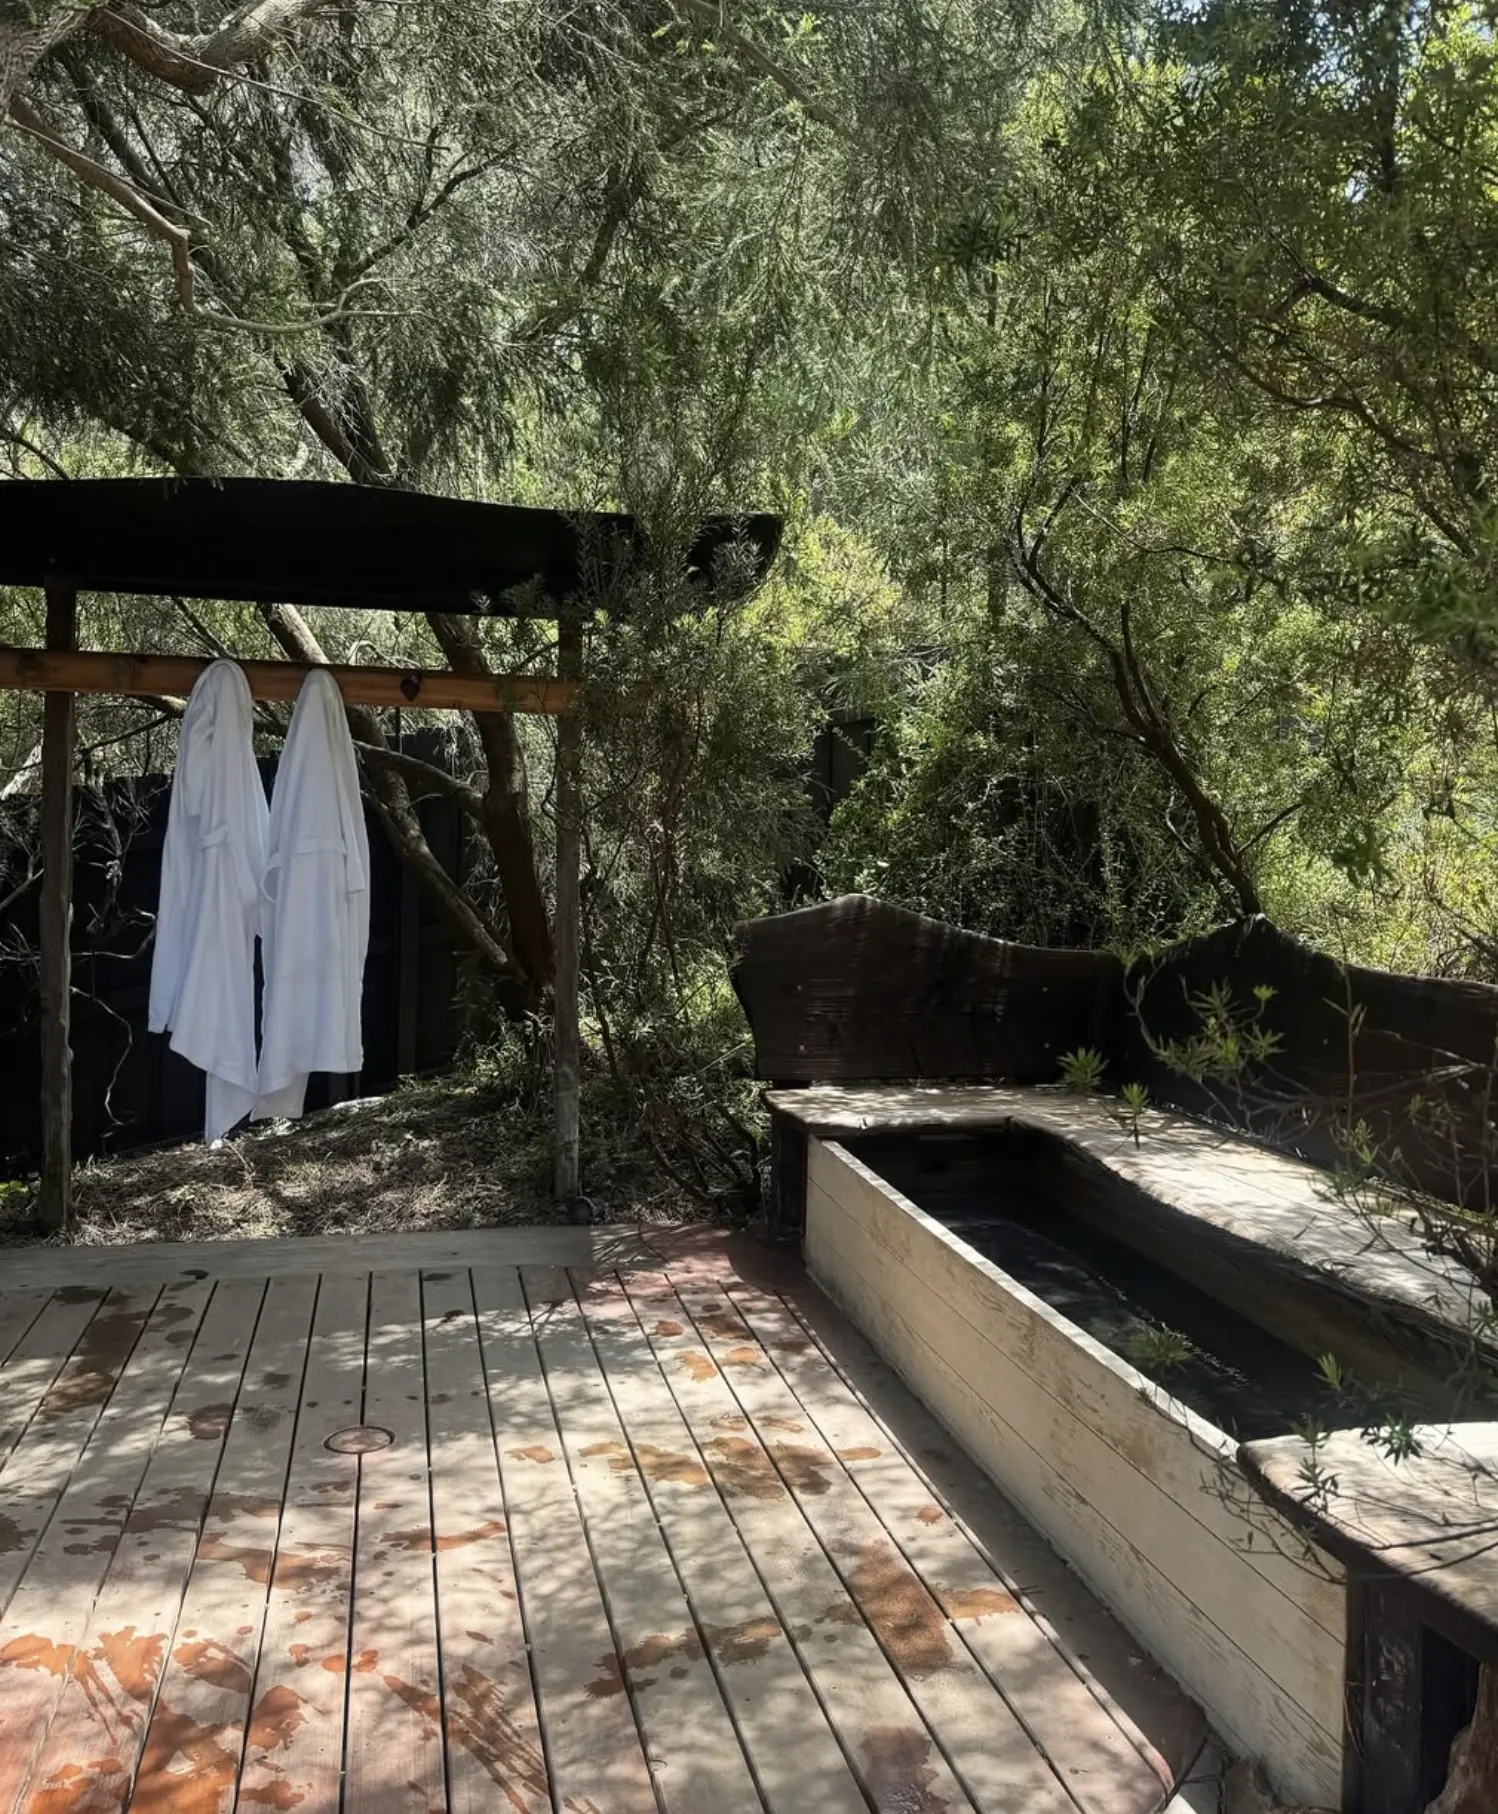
x=315 y=912
x=203 y=966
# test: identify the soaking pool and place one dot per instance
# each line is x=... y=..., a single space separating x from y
x=1244 y=1380
x=1106 y=1393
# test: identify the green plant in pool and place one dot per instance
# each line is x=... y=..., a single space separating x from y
x=1154 y=1348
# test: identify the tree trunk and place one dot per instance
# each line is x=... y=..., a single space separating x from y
x=506 y=815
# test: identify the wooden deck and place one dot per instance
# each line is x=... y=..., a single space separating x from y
x=654 y=1530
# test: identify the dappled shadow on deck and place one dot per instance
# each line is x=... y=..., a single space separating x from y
x=659 y=1532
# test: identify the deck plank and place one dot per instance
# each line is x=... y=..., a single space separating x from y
x=293 y=1752
x=27 y=1377
x=190 y=1759
x=119 y=1387
x=593 y=1744
x=18 y=1311
x=896 y=1755
x=1102 y=1764
x=494 y=1752
x=782 y=1725
x=991 y=1751
x=68 y=1366
x=394 y=1735
x=616 y=1560
x=695 y=1755
x=166 y=1262
x=89 y=1758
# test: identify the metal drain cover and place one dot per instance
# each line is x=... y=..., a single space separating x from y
x=359 y=1439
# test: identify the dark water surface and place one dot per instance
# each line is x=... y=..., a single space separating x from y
x=1236 y=1375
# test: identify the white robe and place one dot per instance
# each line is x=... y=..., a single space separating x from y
x=203 y=966
x=315 y=913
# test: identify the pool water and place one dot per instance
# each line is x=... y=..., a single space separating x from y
x=1240 y=1378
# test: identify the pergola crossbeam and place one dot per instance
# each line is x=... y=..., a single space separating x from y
x=154 y=676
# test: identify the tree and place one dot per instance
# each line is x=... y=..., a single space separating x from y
x=1157 y=564
x=355 y=209
x=574 y=255
x=1319 y=187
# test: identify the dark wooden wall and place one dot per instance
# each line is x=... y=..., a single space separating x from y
x=1351 y=1043
x=129 y=1090
x=855 y=989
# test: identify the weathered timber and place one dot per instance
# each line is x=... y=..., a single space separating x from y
x=567 y=1039
x=786 y=1219
x=152 y=676
x=361 y=547
x=857 y=989
x=1131 y=1487
x=1257 y=1228
x=1351 y=1044
x=1430 y=1520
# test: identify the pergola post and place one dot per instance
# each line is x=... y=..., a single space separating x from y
x=58 y=740
x=565 y=1034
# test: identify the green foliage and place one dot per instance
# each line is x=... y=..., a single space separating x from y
x=978 y=808
x=1127 y=386
x=1156 y=1349
x=1319 y=1485
x=1082 y=1070
x=1133 y=1101
x=1229 y=1038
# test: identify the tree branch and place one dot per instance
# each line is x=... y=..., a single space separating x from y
x=194 y=64
x=117 y=189
x=336 y=436
x=22 y=48
x=506 y=809
x=712 y=14
x=101 y=117
x=1152 y=729
x=179 y=239
x=17 y=439
x=420 y=213
x=427 y=774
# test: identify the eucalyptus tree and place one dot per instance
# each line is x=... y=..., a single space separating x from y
x=573 y=251
x=1319 y=187
x=1202 y=609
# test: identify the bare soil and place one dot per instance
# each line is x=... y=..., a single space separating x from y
x=439 y=1155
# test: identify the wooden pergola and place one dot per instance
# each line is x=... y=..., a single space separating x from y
x=293 y=542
